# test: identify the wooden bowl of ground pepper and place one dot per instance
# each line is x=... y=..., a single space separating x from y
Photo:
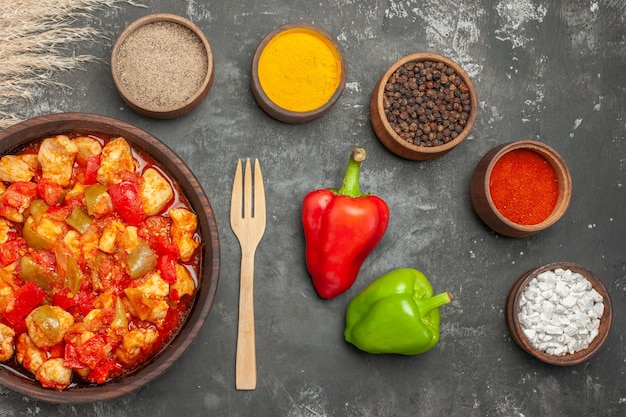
x=298 y=72
x=521 y=188
x=162 y=66
x=423 y=106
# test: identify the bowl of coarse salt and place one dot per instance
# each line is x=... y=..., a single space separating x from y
x=560 y=313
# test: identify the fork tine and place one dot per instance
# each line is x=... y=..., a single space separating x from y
x=236 y=197
x=259 y=192
x=247 y=191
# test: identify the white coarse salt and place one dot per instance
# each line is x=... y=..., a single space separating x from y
x=560 y=311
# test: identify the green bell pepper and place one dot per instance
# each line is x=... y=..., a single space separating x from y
x=397 y=313
x=79 y=220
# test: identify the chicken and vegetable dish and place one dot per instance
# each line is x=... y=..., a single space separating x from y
x=99 y=258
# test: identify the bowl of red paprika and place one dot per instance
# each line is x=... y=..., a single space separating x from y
x=521 y=188
x=99 y=371
x=423 y=106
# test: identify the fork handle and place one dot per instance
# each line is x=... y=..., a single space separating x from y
x=245 y=372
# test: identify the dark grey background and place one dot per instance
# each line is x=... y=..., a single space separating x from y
x=553 y=71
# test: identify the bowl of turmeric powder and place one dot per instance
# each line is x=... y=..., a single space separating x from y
x=521 y=188
x=298 y=72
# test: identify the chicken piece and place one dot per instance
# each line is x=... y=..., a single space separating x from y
x=47 y=325
x=156 y=192
x=117 y=159
x=53 y=374
x=56 y=157
x=153 y=286
x=71 y=240
x=76 y=194
x=11 y=213
x=6 y=291
x=15 y=168
x=146 y=308
x=185 y=284
x=87 y=147
x=147 y=299
x=109 y=236
x=184 y=225
x=5 y=226
x=7 y=348
x=129 y=239
x=134 y=342
x=89 y=243
x=47 y=229
x=28 y=354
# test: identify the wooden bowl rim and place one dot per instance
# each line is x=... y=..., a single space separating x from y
x=426 y=56
x=280 y=113
x=13 y=138
x=518 y=334
x=183 y=107
x=558 y=165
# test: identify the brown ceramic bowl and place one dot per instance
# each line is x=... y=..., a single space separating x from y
x=515 y=328
x=162 y=66
x=282 y=110
x=401 y=146
x=484 y=205
x=15 y=137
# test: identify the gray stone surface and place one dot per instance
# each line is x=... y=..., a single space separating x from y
x=546 y=70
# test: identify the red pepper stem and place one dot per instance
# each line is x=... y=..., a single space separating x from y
x=350 y=186
x=427 y=304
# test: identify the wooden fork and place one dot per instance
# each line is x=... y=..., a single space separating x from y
x=247 y=219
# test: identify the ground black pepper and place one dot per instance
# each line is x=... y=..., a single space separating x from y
x=427 y=103
x=162 y=64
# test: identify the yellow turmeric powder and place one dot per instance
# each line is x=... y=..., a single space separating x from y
x=299 y=70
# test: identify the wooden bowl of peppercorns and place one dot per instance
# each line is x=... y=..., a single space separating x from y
x=423 y=106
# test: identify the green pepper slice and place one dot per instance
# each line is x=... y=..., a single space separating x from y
x=79 y=220
x=141 y=260
x=93 y=196
x=47 y=320
x=37 y=208
x=119 y=317
x=32 y=238
x=74 y=278
x=33 y=272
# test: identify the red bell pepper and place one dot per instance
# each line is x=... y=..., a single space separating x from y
x=91 y=169
x=168 y=254
x=10 y=251
x=20 y=194
x=341 y=228
x=26 y=298
x=127 y=201
x=104 y=371
x=49 y=191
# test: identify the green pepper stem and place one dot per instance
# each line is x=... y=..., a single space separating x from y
x=427 y=304
x=350 y=186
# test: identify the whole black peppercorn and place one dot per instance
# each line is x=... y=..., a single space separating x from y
x=431 y=103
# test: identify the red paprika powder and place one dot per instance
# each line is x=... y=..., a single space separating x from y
x=524 y=187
